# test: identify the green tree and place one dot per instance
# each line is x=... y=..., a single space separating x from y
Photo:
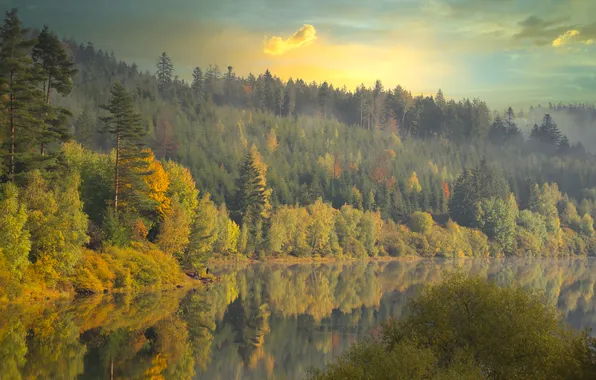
x=497 y=219
x=468 y=328
x=421 y=222
x=198 y=82
x=21 y=97
x=251 y=198
x=56 y=219
x=15 y=242
x=126 y=127
x=203 y=234
x=57 y=71
x=165 y=71
x=84 y=129
x=462 y=204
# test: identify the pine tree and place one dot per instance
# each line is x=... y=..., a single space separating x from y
x=268 y=96
x=57 y=71
x=324 y=98
x=198 y=83
x=19 y=94
x=289 y=98
x=251 y=199
x=165 y=70
x=125 y=125
x=462 y=204
x=229 y=85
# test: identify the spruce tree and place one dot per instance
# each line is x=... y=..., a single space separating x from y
x=165 y=70
x=462 y=204
x=250 y=199
x=56 y=70
x=126 y=127
x=268 y=95
x=20 y=96
x=198 y=82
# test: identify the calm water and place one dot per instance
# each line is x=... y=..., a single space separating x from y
x=259 y=322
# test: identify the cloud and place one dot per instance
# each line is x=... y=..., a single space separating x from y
x=541 y=32
x=565 y=37
x=278 y=46
x=583 y=36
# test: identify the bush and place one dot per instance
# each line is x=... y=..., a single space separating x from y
x=467 y=328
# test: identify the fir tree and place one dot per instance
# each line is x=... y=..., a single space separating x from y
x=462 y=204
x=19 y=94
x=126 y=127
x=250 y=199
x=198 y=82
x=165 y=70
x=57 y=71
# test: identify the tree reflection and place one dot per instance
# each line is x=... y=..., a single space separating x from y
x=260 y=321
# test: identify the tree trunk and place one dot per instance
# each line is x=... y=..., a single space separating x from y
x=12 y=134
x=48 y=90
x=43 y=149
x=117 y=179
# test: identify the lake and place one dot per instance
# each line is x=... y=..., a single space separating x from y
x=260 y=321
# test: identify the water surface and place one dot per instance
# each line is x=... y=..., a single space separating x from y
x=260 y=321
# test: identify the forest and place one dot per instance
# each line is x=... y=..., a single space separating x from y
x=113 y=178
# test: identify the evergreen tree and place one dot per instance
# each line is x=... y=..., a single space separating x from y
x=250 y=199
x=462 y=204
x=324 y=98
x=126 y=127
x=510 y=123
x=57 y=71
x=563 y=146
x=488 y=182
x=547 y=133
x=165 y=70
x=268 y=95
x=19 y=94
x=289 y=98
x=198 y=82
x=84 y=129
x=498 y=131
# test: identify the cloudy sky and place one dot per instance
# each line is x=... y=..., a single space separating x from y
x=504 y=51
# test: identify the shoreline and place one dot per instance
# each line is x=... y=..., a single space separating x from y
x=307 y=260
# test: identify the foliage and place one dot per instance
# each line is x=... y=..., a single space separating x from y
x=470 y=328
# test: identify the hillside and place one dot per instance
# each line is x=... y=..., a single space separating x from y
x=164 y=171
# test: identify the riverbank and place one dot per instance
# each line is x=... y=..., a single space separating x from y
x=139 y=269
x=240 y=259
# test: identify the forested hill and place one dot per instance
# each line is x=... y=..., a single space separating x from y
x=321 y=141
x=171 y=172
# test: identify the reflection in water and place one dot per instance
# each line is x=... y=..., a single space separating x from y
x=261 y=321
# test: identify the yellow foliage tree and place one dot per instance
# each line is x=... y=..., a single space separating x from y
x=174 y=231
x=182 y=187
x=157 y=183
x=412 y=184
x=272 y=142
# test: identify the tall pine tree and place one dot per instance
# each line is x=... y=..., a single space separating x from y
x=20 y=96
x=56 y=70
x=126 y=127
x=165 y=71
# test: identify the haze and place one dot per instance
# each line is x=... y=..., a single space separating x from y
x=506 y=52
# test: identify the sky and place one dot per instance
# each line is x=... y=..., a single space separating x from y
x=506 y=52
